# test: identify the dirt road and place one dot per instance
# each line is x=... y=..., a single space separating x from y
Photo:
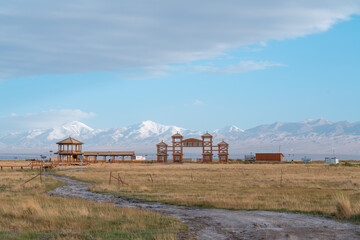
x=226 y=224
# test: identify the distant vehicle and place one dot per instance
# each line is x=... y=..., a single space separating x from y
x=306 y=159
x=140 y=158
x=331 y=160
x=250 y=157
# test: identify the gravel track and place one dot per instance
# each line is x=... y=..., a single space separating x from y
x=224 y=224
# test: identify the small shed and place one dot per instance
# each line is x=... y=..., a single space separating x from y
x=331 y=160
x=306 y=159
x=269 y=157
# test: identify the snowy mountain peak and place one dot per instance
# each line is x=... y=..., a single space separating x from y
x=73 y=129
x=76 y=125
x=316 y=122
x=149 y=128
x=231 y=129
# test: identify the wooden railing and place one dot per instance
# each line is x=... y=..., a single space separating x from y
x=69 y=152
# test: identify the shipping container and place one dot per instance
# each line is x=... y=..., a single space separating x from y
x=269 y=157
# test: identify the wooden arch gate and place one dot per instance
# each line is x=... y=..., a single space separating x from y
x=178 y=144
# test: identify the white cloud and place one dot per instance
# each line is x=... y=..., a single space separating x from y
x=41 y=120
x=148 y=73
x=241 y=67
x=63 y=37
x=197 y=102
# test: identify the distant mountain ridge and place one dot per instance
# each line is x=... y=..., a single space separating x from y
x=308 y=136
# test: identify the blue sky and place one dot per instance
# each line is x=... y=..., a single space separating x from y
x=196 y=67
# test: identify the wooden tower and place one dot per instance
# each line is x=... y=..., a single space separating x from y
x=162 y=152
x=177 y=148
x=69 y=150
x=223 y=149
x=207 y=147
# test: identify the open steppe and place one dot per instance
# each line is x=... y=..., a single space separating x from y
x=27 y=212
x=314 y=188
x=331 y=191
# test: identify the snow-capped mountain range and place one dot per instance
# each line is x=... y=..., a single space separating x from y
x=316 y=136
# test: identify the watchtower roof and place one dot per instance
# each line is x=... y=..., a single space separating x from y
x=177 y=135
x=161 y=144
x=222 y=143
x=70 y=140
x=206 y=135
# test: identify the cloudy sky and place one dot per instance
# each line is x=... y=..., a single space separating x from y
x=196 y=64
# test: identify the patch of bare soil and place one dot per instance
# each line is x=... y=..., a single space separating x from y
x=225 y=224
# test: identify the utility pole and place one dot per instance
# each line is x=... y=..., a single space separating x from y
x=44 y=168
x=81 y=168
x=15 y=163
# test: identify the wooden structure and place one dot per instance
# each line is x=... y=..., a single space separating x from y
x=269 y=157
x=223 y=149
x=69 y=150
x=31 y=165
x=177 y=147
x=162 y=151
x=207 y=147
x=93 y=156
x=178 y=144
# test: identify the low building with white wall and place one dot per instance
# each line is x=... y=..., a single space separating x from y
x=331 y=160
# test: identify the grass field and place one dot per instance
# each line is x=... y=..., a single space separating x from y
x=309 y=188
x=28 y=213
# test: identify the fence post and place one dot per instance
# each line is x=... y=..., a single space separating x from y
x=40 y=173
x=44 y=169
x=110 y=178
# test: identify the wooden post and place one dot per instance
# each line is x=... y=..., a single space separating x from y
x=118 y=178
x=40 y=173
x=110 y=178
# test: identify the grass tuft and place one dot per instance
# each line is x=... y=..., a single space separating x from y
x=343 y=207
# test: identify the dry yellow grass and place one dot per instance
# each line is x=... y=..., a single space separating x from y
x=343 y=207
x=17 y=162
x=28 y=213
x=288 y=187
